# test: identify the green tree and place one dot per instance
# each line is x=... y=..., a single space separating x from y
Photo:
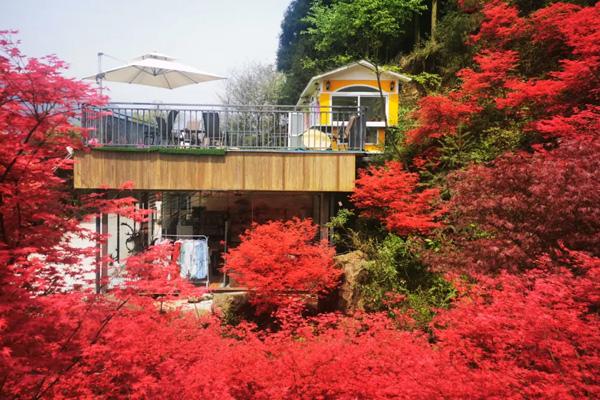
x=371 y=29
x=295 y=47
x=317 y=35
x=349 y=30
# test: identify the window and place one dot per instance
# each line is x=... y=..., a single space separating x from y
x=372 y=135
x=375 y=109
x=354 y=89
x=345 y=101
x=361 y=96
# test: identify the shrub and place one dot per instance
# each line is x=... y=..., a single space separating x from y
x=523 y=206
x=398 y=281
x=389 y=193
x=279 y=259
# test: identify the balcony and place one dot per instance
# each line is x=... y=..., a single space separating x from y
x=169 y=147
x=230 y=128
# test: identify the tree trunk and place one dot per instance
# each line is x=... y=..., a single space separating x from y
x=381 y=96
x=434 y=11
x=417 y=28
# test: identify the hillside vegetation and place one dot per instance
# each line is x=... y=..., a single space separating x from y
x=478 y=229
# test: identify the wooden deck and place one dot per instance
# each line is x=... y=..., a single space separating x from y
x=248 y=171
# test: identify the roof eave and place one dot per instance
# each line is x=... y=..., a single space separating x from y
x=307 y=90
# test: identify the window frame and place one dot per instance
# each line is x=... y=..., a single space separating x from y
x=378 y=124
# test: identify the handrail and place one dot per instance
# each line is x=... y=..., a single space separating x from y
x=234 y=127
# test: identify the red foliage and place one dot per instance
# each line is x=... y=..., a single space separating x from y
x=501 y=24
x=524 y=206
x=37 y=104
x=530 y=336
x=37 y=207
x=438 y=116
x=581 y=125
x=43 y=332
x=536 y=335
x=278 y=258
x=493 y=67
x=503 y=80
x=390 y=194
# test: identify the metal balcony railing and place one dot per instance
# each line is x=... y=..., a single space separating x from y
x=275 y=128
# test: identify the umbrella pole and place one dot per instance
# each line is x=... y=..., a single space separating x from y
x=99 y=76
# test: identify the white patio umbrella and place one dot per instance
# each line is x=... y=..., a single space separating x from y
x=154 y=69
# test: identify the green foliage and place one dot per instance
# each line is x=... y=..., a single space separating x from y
x=162 y=150
x=352 y=233
x=449 y=52
x=338 y=224
x=465 y=148
x=424 y=301
x=293 y=48
x=428 y=82
x=317 y=35
x=396 y=269
x=360 y=28
x=396 y=147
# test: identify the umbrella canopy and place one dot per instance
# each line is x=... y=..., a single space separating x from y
x=158 y=70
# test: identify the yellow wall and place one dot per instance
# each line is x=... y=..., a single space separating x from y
x=393 y=99
x=325 y=101
x=336 y=85
x=393 y=109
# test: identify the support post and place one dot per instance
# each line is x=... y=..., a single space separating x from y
x=104 y=261
x=98 y=255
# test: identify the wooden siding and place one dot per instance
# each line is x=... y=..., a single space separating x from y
x=313 y=172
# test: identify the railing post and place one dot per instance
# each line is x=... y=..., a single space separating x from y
x=225 y=121
x=363 y=127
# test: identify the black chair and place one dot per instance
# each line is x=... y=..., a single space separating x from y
x=212 y=128
x=165 y=128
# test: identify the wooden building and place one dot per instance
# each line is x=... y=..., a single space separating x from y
x=214 y=170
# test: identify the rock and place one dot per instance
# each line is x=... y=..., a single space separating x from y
x=354 y=266
x=232 y=306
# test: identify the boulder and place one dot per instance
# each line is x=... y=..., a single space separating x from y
x=355 y=271
x=232 y=306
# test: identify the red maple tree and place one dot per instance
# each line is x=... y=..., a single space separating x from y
x=531 y=70
x=279 y=259
x=532 y=334
x=510 y=213
x=389 y=193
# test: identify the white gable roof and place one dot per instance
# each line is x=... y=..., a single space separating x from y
x=349 y=71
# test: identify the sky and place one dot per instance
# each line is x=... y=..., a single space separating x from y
x=215 y=36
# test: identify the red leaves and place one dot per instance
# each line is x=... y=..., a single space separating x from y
x=530 y=336
x=37 y=136
x=277 y=259
x=389 y=194
x=534 y=333
x=501 y=24
x=438 y=116
x=528 y=69
x=526 y=205
x=493 y=69
x=582 y=125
